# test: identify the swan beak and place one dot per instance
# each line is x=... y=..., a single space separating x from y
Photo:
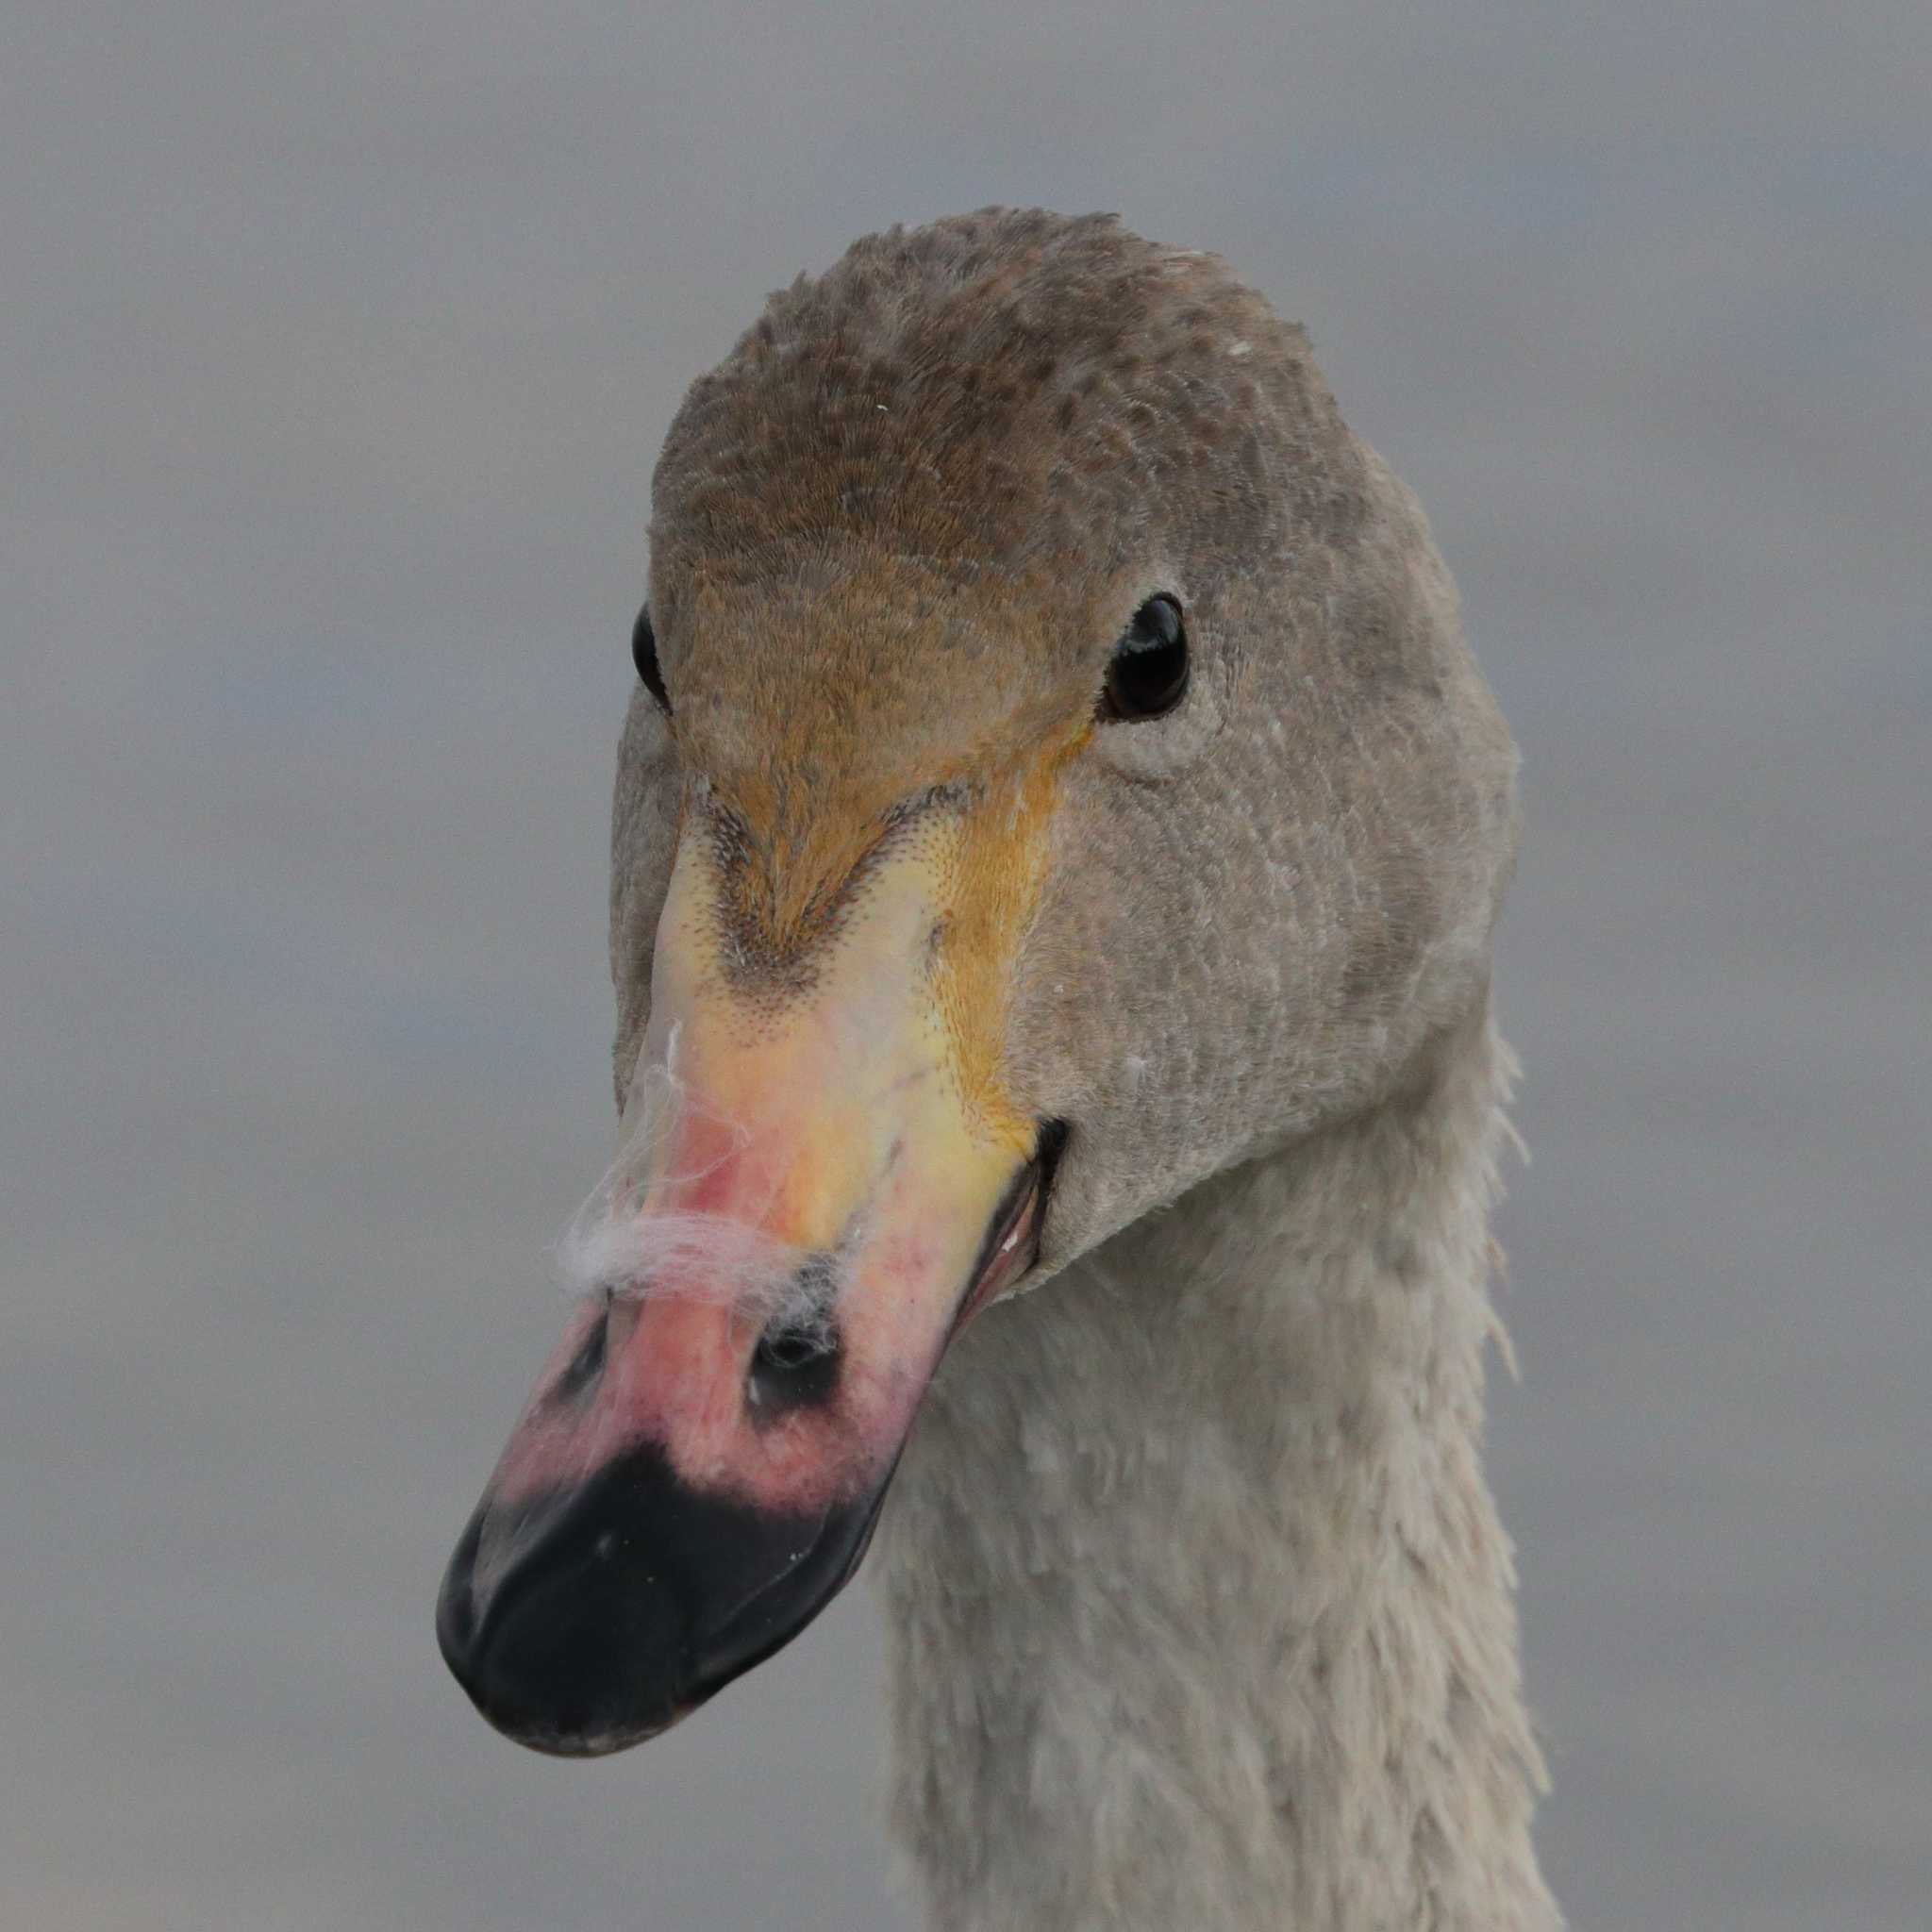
x=589 y=1617
x=811 y=1202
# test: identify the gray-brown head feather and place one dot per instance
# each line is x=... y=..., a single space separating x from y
x=895 y=536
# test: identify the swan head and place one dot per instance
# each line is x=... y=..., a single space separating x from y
x=1055 y=775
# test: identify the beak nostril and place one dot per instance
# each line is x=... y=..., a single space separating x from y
x=586 y=1365
x=795 y=1366
x=789 y=1350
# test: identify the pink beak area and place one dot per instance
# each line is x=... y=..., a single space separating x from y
x=804 y=1215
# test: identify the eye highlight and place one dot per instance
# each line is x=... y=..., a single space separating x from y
x=644 y=654
x=1147 y=675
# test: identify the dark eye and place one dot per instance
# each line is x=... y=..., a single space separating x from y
x=643 y=651
x=1148 y=673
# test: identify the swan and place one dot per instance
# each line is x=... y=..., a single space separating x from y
x=1057 y=838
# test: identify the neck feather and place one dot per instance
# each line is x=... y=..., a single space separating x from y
x=1200 y=1608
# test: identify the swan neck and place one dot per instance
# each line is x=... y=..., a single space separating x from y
x=1200 y=1608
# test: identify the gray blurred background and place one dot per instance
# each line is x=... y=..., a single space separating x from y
x=336 y=343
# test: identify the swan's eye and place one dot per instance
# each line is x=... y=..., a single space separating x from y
x=643 y=651
x=1148 y=673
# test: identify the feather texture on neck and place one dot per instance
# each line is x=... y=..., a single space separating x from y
x=1201 y=1605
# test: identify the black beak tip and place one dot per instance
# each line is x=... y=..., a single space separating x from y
x=456 y=1616
x=569 y=1654
x=587 y=1621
